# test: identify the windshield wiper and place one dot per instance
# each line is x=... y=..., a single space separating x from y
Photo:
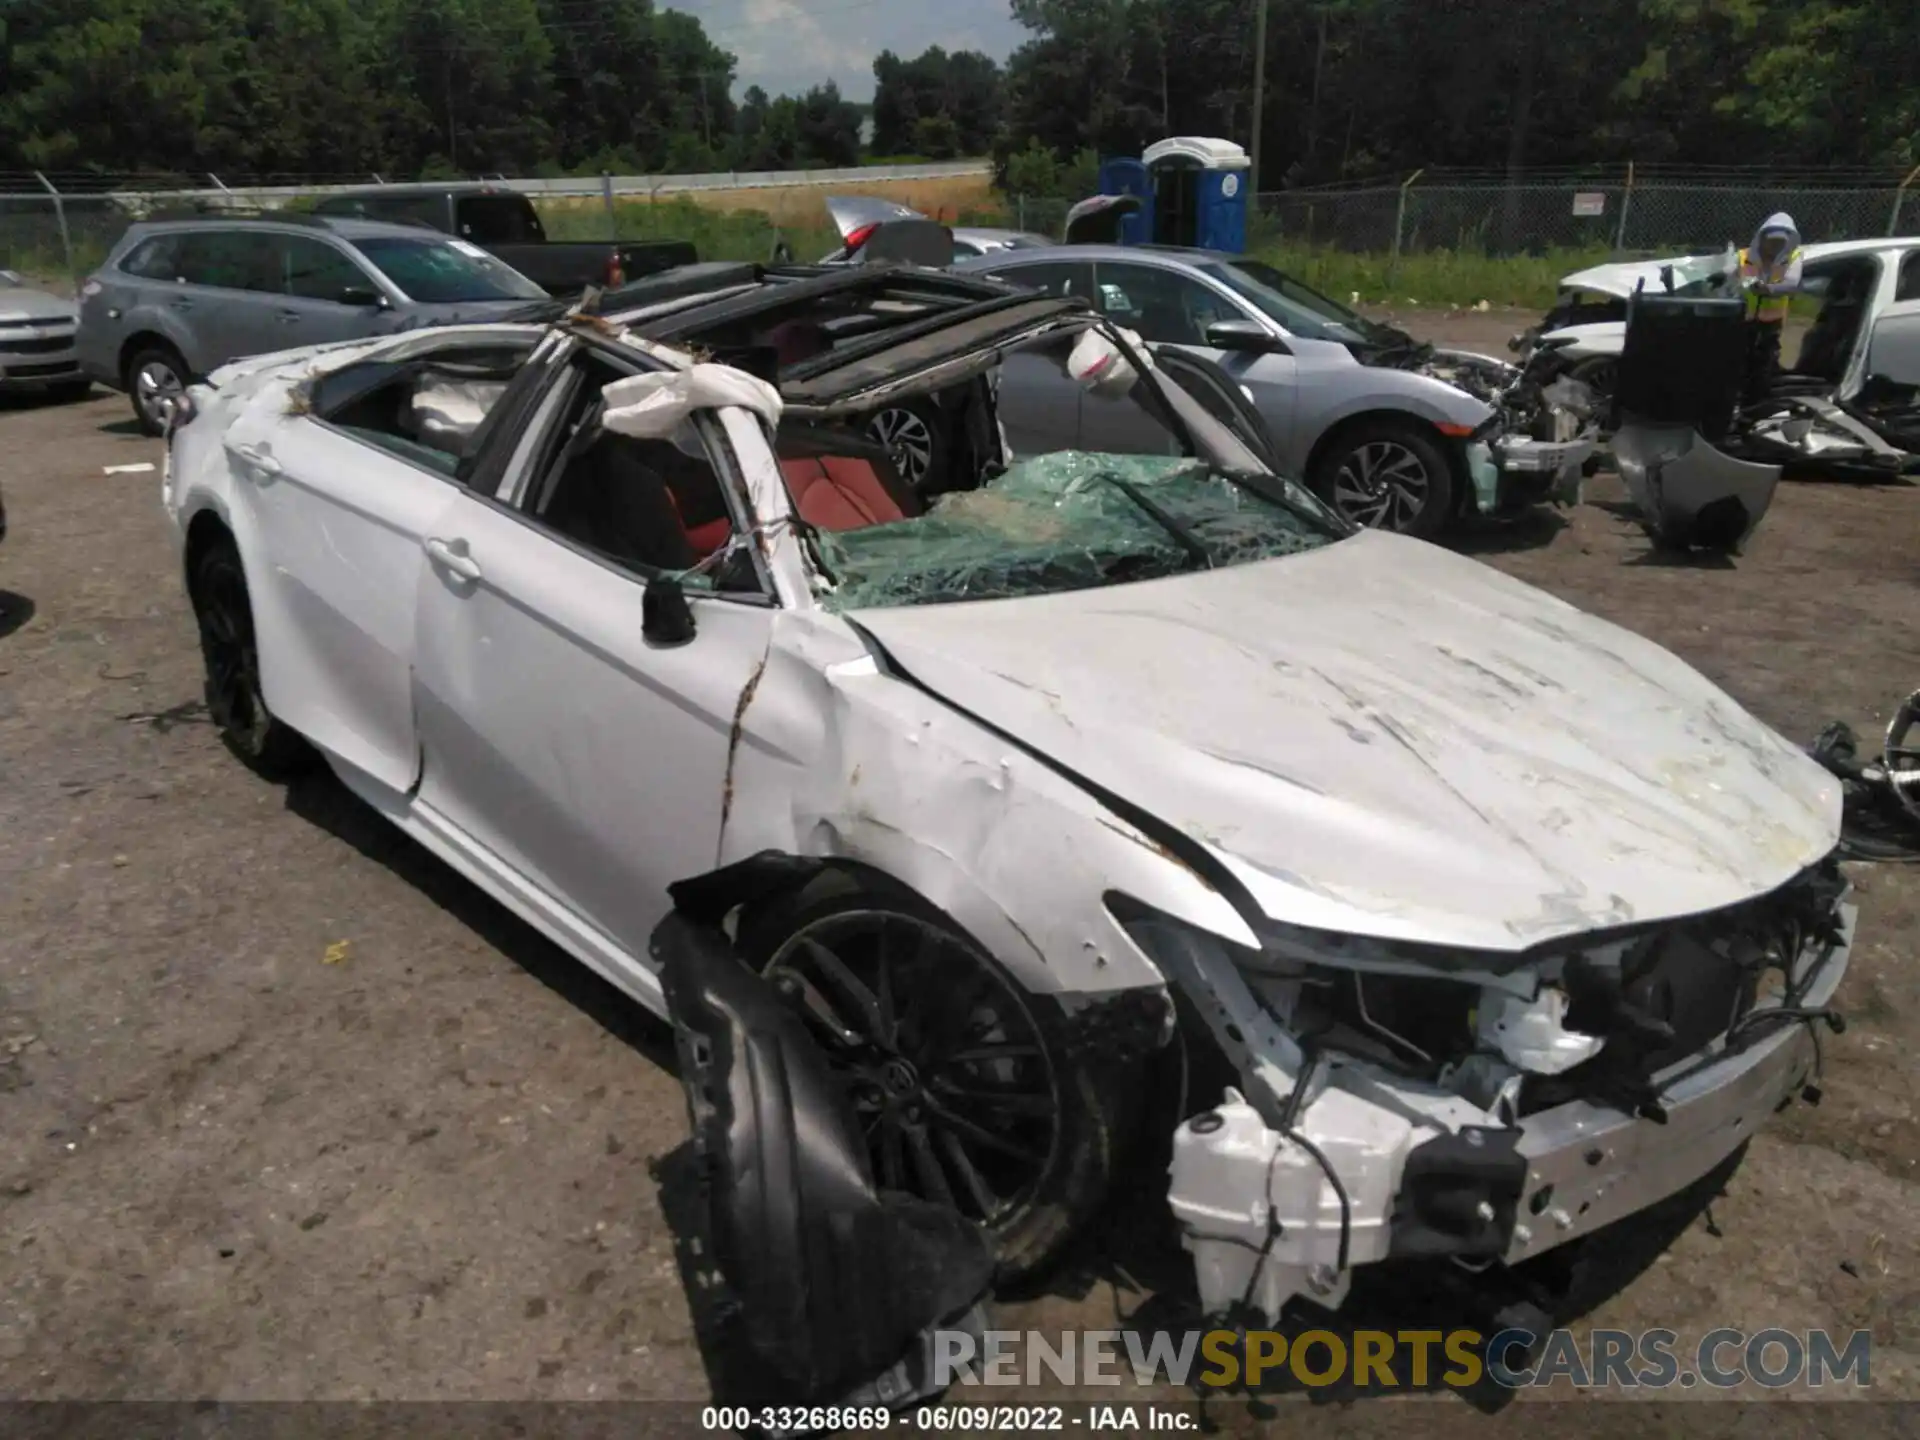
x=1276 y=496
x=1186 y=539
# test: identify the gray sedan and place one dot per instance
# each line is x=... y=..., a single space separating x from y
x=36 y=341
x=1393 y=433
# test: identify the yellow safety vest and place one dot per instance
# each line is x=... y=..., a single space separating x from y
x=1767 y=309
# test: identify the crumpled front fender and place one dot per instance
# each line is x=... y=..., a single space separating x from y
x=848 y=763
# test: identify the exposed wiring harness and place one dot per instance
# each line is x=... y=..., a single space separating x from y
x=1881 y=818
x=1289 y=1120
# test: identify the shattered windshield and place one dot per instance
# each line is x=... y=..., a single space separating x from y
x=1070 y=520
x=1300 y=310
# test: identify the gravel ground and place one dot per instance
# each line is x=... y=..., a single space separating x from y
x=293 y=1112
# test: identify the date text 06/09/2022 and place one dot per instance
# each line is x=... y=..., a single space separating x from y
x=945 y=1419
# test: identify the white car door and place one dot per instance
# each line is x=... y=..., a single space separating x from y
x=1893 y=349
x=339 y=523
x=558 y=742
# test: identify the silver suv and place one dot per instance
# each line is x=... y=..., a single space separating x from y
x=178 y=299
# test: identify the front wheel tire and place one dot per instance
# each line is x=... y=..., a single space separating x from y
x=1388 y=475
x=964 y=1085
x=234 y=698
x=156 y=381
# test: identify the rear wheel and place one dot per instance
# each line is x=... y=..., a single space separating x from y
x=915 y=435
x=1388 y=475
x=234 y=698
x=156 y=380
x=963 y=1084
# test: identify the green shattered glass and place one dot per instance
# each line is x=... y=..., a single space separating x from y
x=1061 y=522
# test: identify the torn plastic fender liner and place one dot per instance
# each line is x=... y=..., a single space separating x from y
x=839 y=1286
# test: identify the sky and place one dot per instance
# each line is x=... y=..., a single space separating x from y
x=786 y=46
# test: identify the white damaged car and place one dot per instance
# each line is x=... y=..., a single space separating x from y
x=930 y=827
x=1850 y=399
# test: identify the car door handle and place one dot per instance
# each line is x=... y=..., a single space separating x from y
x=181 y=304
x=453 y=561
x=289 y=317
x=257 y=459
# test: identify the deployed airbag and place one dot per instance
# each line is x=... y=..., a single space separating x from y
x=652 y=406
x=1100 y=365
x=446 y=413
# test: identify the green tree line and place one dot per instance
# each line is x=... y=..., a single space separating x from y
x=1358 y=88
x=1355 y=88
x=397 y=87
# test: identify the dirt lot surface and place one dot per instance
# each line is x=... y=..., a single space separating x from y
x=290 y=1111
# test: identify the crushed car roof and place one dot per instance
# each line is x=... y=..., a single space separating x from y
x=870 y=324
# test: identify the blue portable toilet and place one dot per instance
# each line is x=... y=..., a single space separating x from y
x=1199 y=192
x=1128 y=175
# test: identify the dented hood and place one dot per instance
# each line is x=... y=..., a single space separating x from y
x=1384 y=738
x=1621 y=278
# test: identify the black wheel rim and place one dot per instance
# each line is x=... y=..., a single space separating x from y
x=950 y=1080
x=226 y=643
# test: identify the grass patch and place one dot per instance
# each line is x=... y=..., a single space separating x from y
x=1454 y=279
x=716 y=234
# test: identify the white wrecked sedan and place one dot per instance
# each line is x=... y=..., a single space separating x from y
x=1507 y=922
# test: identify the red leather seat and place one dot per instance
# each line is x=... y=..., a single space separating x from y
x=705 y=536
x=837 y=492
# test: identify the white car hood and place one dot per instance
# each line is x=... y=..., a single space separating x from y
x=1620 y=279
x=1384 y=738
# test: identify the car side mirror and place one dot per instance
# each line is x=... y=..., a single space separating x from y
x=666 y=619
x=364 y=296
x=1248 y=336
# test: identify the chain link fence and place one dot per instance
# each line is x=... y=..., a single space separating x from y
x=1529 y=218
x=60 y=230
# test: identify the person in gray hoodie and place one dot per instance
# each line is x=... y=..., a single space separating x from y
x=1769 y=274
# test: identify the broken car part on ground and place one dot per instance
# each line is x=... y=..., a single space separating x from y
x=1676 y=398
x=1504 y=922
x=1882 y=794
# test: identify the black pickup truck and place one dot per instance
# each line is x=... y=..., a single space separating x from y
x=505 y=224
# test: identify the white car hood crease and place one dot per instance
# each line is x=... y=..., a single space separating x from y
x=1387 y=739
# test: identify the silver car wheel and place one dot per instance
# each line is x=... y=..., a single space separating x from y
x=1382 y=485
x=909 y=440
x=157 y=389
